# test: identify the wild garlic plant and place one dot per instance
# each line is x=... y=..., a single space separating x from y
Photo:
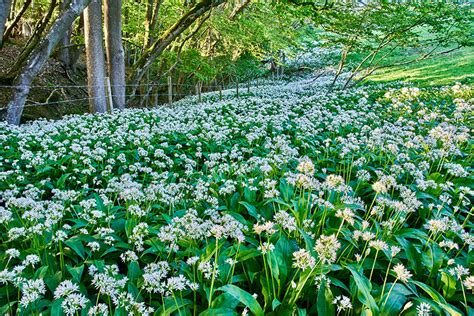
x=293 y=199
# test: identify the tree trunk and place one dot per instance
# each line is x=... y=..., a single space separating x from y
x=148 y=17
x=5 y=6
x=64 y=56
x=39 y=58
x=238 y=9
x=154 y=22
x=95 y=57
x=34 y=40
x=115 y=52
x=17 y=18
x=150 y=55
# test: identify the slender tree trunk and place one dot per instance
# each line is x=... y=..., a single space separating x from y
x=239 y=8
x=39 y=58
x=5 y=6
x=95 y=57
x=154 y=22
x=64 y=56
x=115 y=52
x=15 y=21
x=148 y=17
x=34 y=40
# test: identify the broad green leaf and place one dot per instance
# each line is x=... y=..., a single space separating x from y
x=364 y=287
x=222 y=311
x=275 y=304
x=453 y=311
x=76 y=272
x=75 y=244
x=244 y=297
x=413 y=256
x=250 y=209
x=398 y=298
x=325 y=298
x=449 y=284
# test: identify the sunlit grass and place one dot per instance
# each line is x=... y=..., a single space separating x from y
x=440 y=70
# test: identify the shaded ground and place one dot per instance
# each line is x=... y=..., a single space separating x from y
x=53 y=86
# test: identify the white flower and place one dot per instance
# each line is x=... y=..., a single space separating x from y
x=99 y=309
x=459 y=271
x=343 y=303
x=306 y=166
x=347 y=215
x=423 y=309
x=266 y=247
x=73 y=303
x=379 y=187
x=192 y=260
x=303 y=260
x=469 y=283
x=65 y=288
x=12 y=253
x=326 y=247
x=209 y=270
x=32 y=290
x=94 y=245
x=401 y=272
x=285 y=220
x=128 y=256
x=378 y=245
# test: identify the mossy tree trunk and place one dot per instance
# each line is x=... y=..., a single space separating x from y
x=38 y=58
x=5 y=6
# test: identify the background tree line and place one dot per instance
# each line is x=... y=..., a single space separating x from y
x=139 y=43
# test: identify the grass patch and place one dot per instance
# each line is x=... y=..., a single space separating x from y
x=440 y=70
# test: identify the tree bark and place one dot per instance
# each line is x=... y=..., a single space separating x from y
x=115 y=52
x=148 y=17
x=243 y=4
x=154 y=22
x=34 y=40
x=151 y=54
x=17 y=18
x=64 y=56
x=5 y=6
x=39 y=58
x=95 y=57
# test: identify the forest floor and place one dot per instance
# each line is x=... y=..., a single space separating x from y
x=57 y=92
x=53 y=85
x=291 y=197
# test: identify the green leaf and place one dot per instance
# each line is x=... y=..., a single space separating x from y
x=223 y=311
x=56 y=308
x=75 y=244
x=413 y=256
x=453 y=311
x=364 y=287
x=325 y=298
x=275 y=304
x=171 y=305
x=250 y=209
x=449 y=284
x=436 y=258
x=133 y=271
x=76 y=272
x=398 y=298
x=244 y=297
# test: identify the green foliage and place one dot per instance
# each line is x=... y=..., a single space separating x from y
x=292 y=200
